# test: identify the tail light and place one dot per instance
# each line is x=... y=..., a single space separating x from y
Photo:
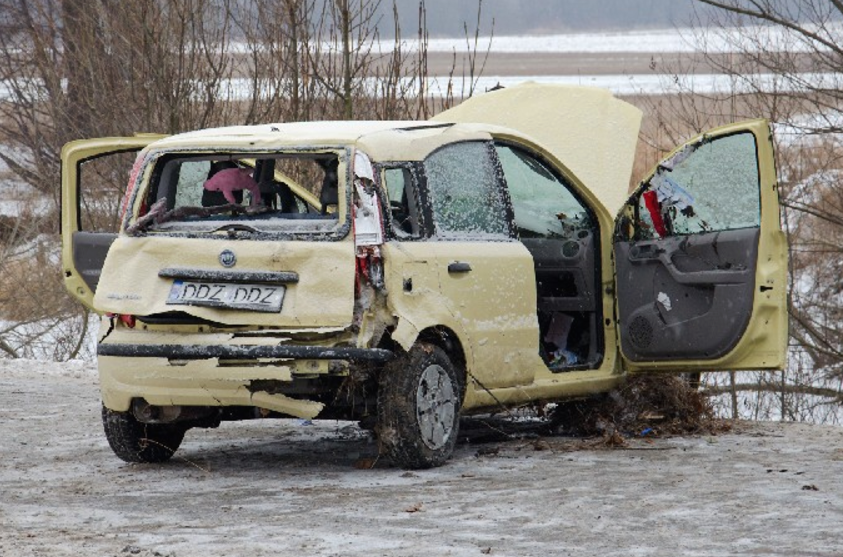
x=128 y=320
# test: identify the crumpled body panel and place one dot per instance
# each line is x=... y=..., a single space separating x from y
x=323 y=296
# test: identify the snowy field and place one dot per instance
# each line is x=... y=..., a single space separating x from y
x=619 y=84
x=285 y=488
x=656 y=84
x=18 y=198
x=657 y=42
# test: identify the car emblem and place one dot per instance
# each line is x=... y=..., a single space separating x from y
x=227 y=258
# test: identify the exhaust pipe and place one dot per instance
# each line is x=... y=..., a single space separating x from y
x=149 y=414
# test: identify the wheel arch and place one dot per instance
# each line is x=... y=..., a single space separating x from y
x=449 y=341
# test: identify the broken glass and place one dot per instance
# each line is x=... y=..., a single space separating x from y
x=544 y=206
x=277 y=192
x=403 y=202
x=466 y=192
x=709 y=186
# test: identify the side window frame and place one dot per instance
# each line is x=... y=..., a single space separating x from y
x=415 y=186
x=561 y=178
x=500 y=189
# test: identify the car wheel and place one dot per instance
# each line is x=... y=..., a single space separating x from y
x=134 y=441
x=418 y=408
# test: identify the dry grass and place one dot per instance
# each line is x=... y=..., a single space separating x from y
x=30 y=280
x=31 y=288
x=643 y=405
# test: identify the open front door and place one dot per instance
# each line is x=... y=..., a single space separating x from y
x=701 y=258
x=95 y=173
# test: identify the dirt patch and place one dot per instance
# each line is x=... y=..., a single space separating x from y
x=642 y=407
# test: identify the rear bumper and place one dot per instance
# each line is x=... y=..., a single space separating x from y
x=168 y=373
x=244 y=352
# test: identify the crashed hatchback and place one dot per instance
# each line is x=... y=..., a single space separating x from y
x=405 y=273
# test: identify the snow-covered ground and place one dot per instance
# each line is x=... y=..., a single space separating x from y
x=284 y=488
x=619 y=84
x=17 y=197
x=658 y=42
x=660 y=84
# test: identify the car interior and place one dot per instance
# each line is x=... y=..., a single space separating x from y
x=562 y=235
x=192 y=183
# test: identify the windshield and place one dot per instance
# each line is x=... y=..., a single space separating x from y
x=296 y=192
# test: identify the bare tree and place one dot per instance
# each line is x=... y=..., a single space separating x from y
x=72 y=69
x=783 y=61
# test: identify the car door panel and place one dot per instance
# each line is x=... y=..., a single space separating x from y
x=695 y=281
x=485 y=274
x=89 y=251
x=85 y=239
x=701 y=265
x=494 y=304
x=565 y=277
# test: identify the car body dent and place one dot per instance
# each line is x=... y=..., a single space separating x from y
x=506 y=336
x=209 y=384
x=323 y=296
x=164 y=381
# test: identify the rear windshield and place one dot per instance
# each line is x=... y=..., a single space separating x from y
x=296 y=192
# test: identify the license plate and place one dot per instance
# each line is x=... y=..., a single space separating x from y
x=255 y=297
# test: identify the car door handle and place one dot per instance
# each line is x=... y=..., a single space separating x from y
x=707 y=277
x=650 y=252
x=641 y=251
x=459 y=267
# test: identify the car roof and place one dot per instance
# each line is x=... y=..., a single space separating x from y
x=586 y=129
x=381 y=140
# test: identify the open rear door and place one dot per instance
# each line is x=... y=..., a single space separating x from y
x=95 y=173
x=701 y=259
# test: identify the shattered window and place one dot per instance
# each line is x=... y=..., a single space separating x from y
x=465 y=190
x=284 y=192
x=189 y=186
x=706 y=187
x=544 y=206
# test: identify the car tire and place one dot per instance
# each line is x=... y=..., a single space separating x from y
x=134 y=441
x=419 y=400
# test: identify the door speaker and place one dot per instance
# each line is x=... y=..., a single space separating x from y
x=640 y=332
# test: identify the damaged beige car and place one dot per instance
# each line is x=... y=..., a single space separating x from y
x=405 y=273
